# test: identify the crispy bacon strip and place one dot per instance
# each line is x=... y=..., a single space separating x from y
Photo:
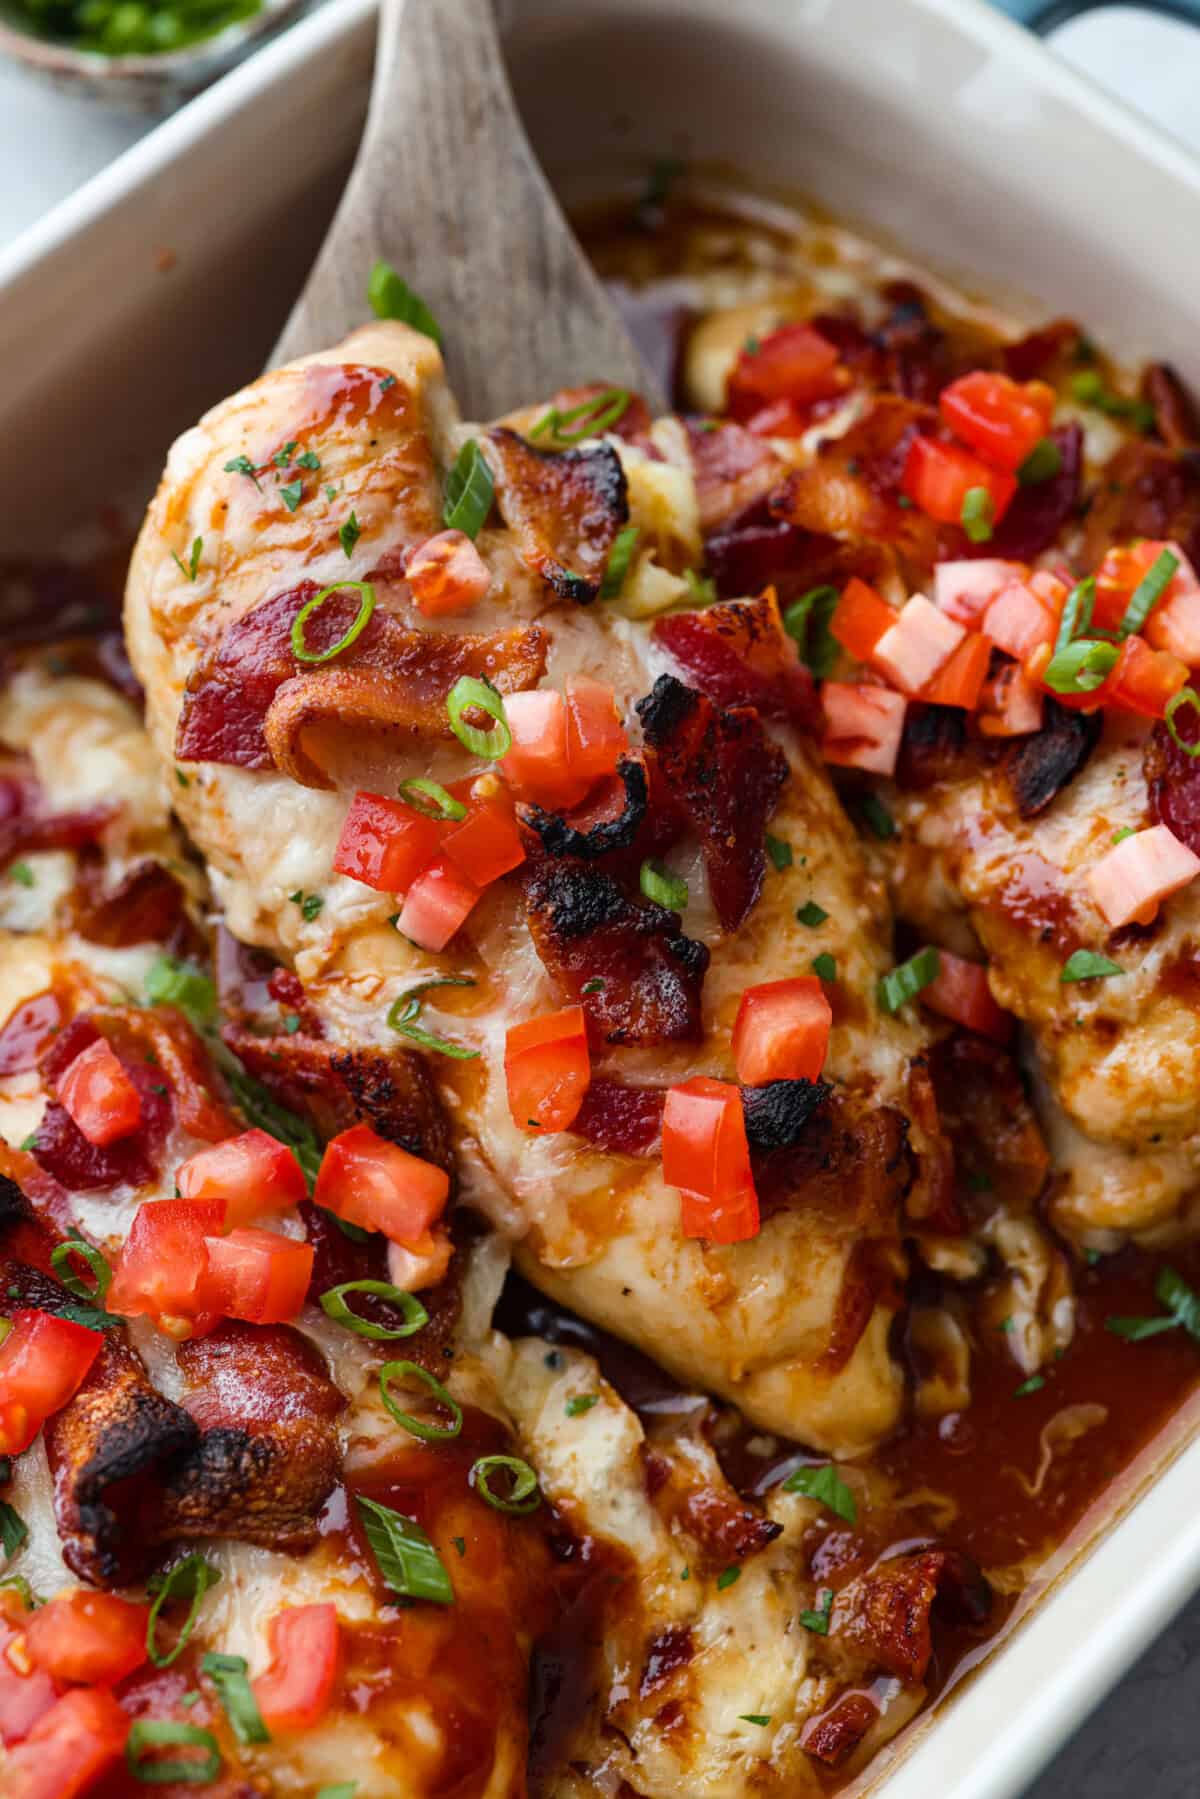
x=1146 y=490
x=25 y=828
x=887 y=1612
x=619 y=1119
x=935 y=747
x=690 y=1491
x=833 y=1735
x=250 y=702
x=1000 y=1155
x=610 y=821
x=778 y=1113
x=146 y=906
x=733 y=469
x=739 y=654
x=727 y=776
x=849 y=1165
x=585 y=928
x=565 y=508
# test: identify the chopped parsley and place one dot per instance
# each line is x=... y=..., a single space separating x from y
x=21 y=873
x=1034 y=1384
x=349 y=534
x=193 y=562
x=310 y=904
x=1088 y=965
x=581 y=1402
x=827 y=1487
x=779 y=851
x=728 y=1577
x=825 y=966
x=818 y=1621
x=292 y=494
x=812 y=915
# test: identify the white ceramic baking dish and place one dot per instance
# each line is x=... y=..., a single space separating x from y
x=161 y=284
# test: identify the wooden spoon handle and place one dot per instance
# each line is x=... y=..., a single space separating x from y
x=447 y=189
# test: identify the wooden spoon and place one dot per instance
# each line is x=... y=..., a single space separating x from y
x=447 y=189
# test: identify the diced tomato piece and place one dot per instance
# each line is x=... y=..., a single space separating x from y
x=1145 y=680
x=705 y=1154
x=375 y=1184
x=966 y=589
x=1131 y=879
x=782 y=418
x=163 y=1270
x=960 y=991
x=938 y=477
x=1010 y=704
x=548 y=1069
x=25 y=1691
x=88 y=1639
x=781 y=1032
x=385 y=844
x=447 y=575
x=919 y=641
x=960 y=681
x=259 y=1275
x=794 y=363
x=1019 y=621
x=71 y=1746
x=295 y=1691
x=43 y=1363
x=253 y=1174
x=1001 y=418
x=537 y=767
x=863 y=726
x=860 y=619
x=596 y=738
x=486 y=843
x=1174 y=621
x=99 y=1095
x=437 y=905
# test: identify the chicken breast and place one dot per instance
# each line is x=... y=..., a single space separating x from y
x=330 y=470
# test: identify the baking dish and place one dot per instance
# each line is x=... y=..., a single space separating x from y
x=158 y=288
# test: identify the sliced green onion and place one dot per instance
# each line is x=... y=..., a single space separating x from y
x=818 y=1621
x=431 y=800
x=470 y=491
x=366 y=606
x=13 y=1529
x=702 y=589
x=29 y=1599
x=428 y=1433
x=1136 y=1330
x=404 y=1012
x=619 y=558
x=1148 y=592
x=1043 y=462
x=170 y=982
x=189 y=1579
x=524 y=1495
x=333 y=1304
x=391 y=297
x=1172 y=1291
x=807 y=620
x=345 y=1789
x=824 y=966
x=660 y=885
x=406 y=1559
x=812 y=915
x=597 y=415
x=468 y=691
x=60 y=1261
x=228 y=1675
x=827 y=1487
x=901 y=984
x=1034 y=1384
x=159 y=1733
x=1081 y=667
x=978 y=515
x=728 y=1577
x=1087 y=965
x=779 y=850
x=1187 y=696
x=1077 y=613
x=579 y=1403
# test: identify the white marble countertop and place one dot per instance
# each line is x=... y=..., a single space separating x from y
x=1144 y=1739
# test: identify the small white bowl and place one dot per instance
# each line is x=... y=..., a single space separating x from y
x=152 y=84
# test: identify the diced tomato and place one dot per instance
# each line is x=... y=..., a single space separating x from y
x=385 y=844
x=259 y=1275
x=1131 y=880
x=486 y=843
x=782 y=418
x=71 y=1746
x=596 y=738
x=863 y=726
x=966 y=589
x=1145 y=680
x=437 y=905
x=375 y=1184
x=705 y=1154
x=99 y=1095
x=447 y=575
x=919 y=641
x=43 y=1363
x=938 y=477
x=1010 y=704
x=1001 y=418
x=860 y=619
x=88 y=1639
x=960 y=681
x=548 y=1069
x=295 y=1691
x=794 y=363
x=537 y=767
x=1174 y=622
x=1020 y=621
x=25 y=1691
x=960 y=991
x=163 y=1270
x=253 y=1174
x=781 y=1032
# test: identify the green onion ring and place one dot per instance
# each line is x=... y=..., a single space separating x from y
x=468 y=691
x=333 y=1304
x=431 y=800
x=154 y=1733
x=1187 y=696
x=428 y=1433
x=366 y=606
x=60 y=1261
x=525 y=1496
x=1148 y=592
x=660 y=885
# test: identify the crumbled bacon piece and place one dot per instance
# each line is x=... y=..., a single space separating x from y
x=621 y=1120
x=733 y=469
x=670 y=1650
x=691 y=1493
x=887 y=1612
x=1000 y=1154
x=1146 y=490
x=739 y=654
x=727 y=776
x=565 y=508
x=934 y=747
x=1041 y=765
x=834 y=1734
x=585 y=929
x=849 y=1167
x=25 y=828
x=1039 y=350
x=779 y=1112
x=145 y=906
x=28 y=1030
x=251 y=703
x=1039 y=511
